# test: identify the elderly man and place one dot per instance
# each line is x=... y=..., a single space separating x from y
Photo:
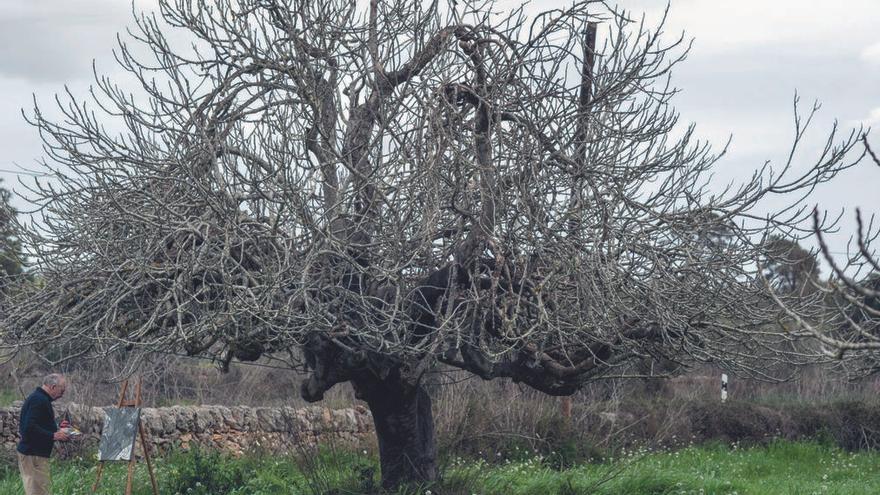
x=38 y=434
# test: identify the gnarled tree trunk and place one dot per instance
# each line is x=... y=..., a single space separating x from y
x=404 y=427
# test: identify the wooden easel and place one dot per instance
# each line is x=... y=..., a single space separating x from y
x=123 y=402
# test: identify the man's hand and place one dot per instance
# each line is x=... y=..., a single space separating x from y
x=60 y=436
x=64 y=424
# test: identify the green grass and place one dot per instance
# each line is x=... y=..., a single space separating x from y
x=778 y=469
x=781 y=468
x=7 y=397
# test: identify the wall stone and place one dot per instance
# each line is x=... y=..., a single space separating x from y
x=236 y=429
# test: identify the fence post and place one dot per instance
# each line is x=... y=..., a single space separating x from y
x=723 y=387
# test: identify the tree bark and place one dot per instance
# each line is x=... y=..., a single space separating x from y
x=404 y=427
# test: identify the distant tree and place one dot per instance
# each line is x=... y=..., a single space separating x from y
x=376 y=193
x=789 y=267
x=10 y=245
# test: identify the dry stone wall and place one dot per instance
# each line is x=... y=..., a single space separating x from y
x=232 y=429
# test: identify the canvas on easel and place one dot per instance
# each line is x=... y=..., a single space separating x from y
x=121 y=427
x=119 y=434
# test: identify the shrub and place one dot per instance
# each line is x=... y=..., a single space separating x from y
x=199 y=472
x=8 y=463
x=856 y=424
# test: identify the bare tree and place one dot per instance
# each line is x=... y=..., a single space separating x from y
x=849 y=327
x=384 y=190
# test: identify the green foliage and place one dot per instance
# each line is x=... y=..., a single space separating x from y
x=332 y=471
x=778 y=468
x=8 y=464
x=8 y=396
x=564 y=447
x=10 y=246
x=207 y=473
x=556 y=439
x=324 y=471
x=789 y=266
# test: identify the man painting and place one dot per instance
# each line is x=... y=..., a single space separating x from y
x=38 y=433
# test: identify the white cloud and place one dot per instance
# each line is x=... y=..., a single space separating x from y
x=873 y=119
x=723 y=26
x=56 y=41
x=871 y=54
x=51 y=40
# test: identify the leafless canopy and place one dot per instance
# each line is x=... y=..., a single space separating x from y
x=848 y=326
x=384 y=188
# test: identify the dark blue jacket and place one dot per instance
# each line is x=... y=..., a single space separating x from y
x=37 y=425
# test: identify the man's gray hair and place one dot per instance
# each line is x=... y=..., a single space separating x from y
x=53 y=379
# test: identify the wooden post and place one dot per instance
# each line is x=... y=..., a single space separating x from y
x=97 y=481
x=144 y=446
x=566 y=409
x=147 y=457
x=133 y=459
x=130 y=474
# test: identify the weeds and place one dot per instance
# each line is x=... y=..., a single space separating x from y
x=777 y=468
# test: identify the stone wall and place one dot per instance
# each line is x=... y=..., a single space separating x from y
x=232 y=429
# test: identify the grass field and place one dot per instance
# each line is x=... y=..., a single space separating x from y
x=780 y=468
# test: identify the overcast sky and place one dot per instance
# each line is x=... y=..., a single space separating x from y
x=749 y=58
